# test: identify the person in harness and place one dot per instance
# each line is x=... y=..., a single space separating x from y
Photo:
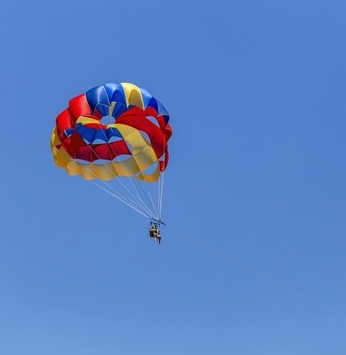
x=154 y=232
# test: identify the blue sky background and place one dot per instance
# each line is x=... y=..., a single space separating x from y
x=256 y=91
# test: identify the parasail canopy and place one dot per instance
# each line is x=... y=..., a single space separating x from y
x=114 y=131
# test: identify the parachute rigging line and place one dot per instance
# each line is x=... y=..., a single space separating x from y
x=137 y=187
x=139 y=200
x=122 y=200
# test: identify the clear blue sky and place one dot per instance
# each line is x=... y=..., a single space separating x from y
x=257 y=96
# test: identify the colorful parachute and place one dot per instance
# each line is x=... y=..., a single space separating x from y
x=112 y=131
